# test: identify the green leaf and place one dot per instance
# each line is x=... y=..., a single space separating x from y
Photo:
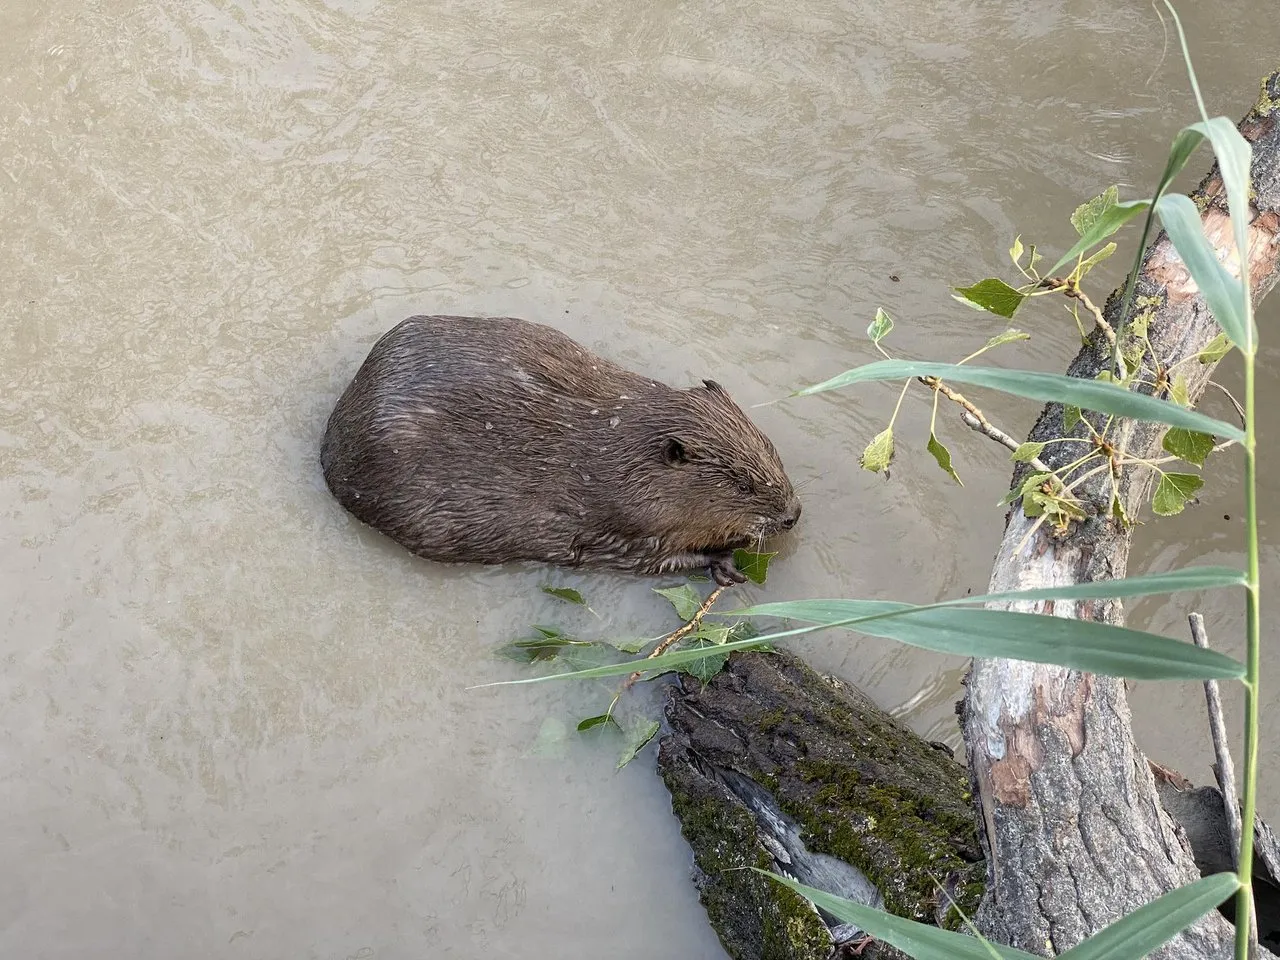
x=1078 y=644
x=1215 y=349
x=754 y=566
x=943 y=456
x=710 y=664
x=1108 y=223
x=629 y=646
x=684 y=598
x=1235 y=156
x=565 y=593
x=1174 y=491
x=1009 y=336
x=637 y=738
x=1045 y=387
x=1141 y=932
x=552 y=740
x=1091 y=211
x=1180 y=391
x=1223 y=293
x=1071 y=415
x=880 y=326
x=1189 y=445
x=879 y=452
x=1143 y=585
x=1015 y=252
x=1096 y=258
x=1027 y=452
x=994 y=296
x=600 y=721
x=919 y=940
x=1118 y=511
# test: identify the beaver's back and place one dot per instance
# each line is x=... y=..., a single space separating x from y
x=454 y=424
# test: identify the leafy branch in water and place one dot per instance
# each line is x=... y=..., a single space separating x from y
x=554 y=647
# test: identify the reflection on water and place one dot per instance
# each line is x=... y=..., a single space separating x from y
x=231 y=717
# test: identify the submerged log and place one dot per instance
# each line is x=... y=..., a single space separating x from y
x=772 y=766
x=1072 y=823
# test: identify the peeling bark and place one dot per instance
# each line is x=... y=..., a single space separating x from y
x=1074 y=829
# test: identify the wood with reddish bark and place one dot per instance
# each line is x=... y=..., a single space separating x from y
x=1073 y=826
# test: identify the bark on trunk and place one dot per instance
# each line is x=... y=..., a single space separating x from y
x=1073 y=827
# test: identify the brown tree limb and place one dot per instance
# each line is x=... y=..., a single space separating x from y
x=1075 y=833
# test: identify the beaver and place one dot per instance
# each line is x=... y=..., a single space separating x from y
x=491 y=440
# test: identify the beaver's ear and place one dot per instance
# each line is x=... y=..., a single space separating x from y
x=713 y=387
x=673 y=453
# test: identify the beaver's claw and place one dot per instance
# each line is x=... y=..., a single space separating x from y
x=725 y=572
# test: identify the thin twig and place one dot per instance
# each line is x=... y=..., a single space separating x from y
x=675 y=636
x=1224 y=770
x=1234 y=402
x=1072 y=290
x=974 y=419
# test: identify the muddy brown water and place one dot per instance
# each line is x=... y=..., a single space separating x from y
x=234 y=724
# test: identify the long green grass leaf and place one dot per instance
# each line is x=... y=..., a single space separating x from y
x=1078 y=644
x=1221 y=291
x=1046 y=387
x=1143 y=585
x=1154 y=924
x=919 y=940
x=1184 y=145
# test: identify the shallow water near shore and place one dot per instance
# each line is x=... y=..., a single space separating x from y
x=235 y=724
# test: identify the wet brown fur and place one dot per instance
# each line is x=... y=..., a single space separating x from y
x=493 y=440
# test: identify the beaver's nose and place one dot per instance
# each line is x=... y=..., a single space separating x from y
x=792 y=516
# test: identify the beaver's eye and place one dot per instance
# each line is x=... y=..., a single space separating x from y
x=745 y=487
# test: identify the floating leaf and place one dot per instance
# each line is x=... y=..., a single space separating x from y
x=879 y=452
x=1009 y=336
x=1108 y=223
x=600 y=721
x=880 y=326
x=684 y=598
x=1189 y=445
x=1046 y=387
x=629 y=646
x=565 y=593
x=1015 y=252
x=994 y=296
x=1223 y=293
x=1174 y=491
x=637 y=738
x=943 y=456
x=754 y=566
x=1215 y=349
x=552 y=740
x=1027 y=452
x=1071 y=415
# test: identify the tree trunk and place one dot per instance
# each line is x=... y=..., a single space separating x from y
x=1075 y=833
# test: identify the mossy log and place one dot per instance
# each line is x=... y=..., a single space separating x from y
x=772 y=766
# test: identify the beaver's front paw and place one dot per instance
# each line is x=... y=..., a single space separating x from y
x=725 y=572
